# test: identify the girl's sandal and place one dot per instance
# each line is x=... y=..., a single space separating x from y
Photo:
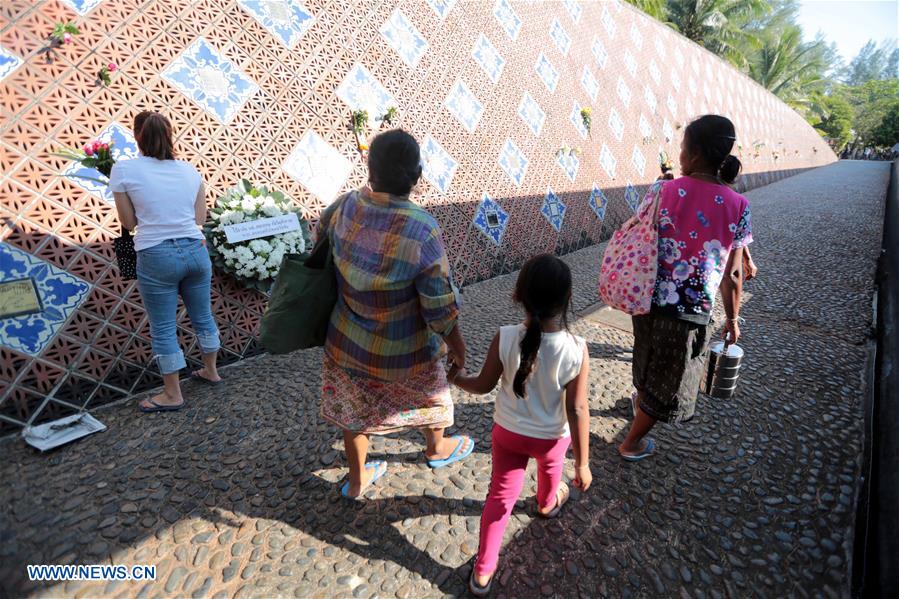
x=562 y=495
x=478 y=590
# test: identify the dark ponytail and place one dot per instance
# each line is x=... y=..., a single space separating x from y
x=544 y=290
x=711 y=137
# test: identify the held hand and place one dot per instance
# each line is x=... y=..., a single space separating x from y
x=455 y=360
x=582 y=477
x=751 y=270
x=731 y=331
x=454 y=371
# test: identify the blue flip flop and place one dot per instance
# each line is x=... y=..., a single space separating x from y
x=648 y=451
x=156 y=407
x=380 y=469
x=455 y=456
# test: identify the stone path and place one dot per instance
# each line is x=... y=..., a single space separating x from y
x=235 y=496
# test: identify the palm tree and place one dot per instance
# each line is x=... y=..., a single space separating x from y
x=719 y=25
x=790 y=68
x=657 y=9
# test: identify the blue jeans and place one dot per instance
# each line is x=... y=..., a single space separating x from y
x=177 y=266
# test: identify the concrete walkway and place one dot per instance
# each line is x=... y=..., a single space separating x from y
x=235 y=496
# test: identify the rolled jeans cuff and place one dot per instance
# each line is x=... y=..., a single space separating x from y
x=209 y=342
x=169 y=363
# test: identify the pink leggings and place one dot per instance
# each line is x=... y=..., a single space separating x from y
x=511 y=452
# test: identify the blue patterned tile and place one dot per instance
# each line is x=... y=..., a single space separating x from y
x=123 y=148
x=318 y=167
x=624 y=92
x=574 y=9
x=463 y=105
x=513 y=161
x=531 y=113
x=438 y=166
x=569 y=163
x=638 y=160
x=9 y=62
x=616 y=124
x=491 y=219
x=403 y=37
x=630 y=63
x=361 y=91
x=441 y=7
x=608 y=161
x=650 y=98
x=205 y=76
x=589 y=83
x=560 y=37
x=60 y=294
x=636 y=36
x=598 y=202
x=668 y=131
x=671 y=103
x=577 y=120
x=608 y=22
x=82 y=7
x=547 y=73
x=631 y=197
x=287 y=20
x=508 y=18
x=600 y=54
x=654 y=72
x=553 y=210
x=488 y=58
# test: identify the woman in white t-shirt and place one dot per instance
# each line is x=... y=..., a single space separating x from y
x=166 y=200
x=541 y=401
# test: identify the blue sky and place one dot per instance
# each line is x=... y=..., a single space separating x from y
x=850 y=23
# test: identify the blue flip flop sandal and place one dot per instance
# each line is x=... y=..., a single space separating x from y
x=380 y=469
x=456 y=455
x=196 y=376
x=159 y=407
x=648 y=451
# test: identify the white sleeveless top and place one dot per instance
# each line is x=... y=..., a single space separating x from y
x=541 y=413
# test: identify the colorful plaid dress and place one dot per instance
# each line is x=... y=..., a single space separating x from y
x=383 y=369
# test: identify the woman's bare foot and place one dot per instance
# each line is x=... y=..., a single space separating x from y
x=447 y=446
x=641 y=446
x=561 y=496
x=204 y=373
x=162 y=399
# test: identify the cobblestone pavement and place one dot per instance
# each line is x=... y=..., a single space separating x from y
x=235 y=496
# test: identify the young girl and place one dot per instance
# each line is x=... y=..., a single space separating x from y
x=542 y=400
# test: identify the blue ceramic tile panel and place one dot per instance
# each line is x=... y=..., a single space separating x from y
x=608 y=161
x=589 y=83
x=205 y=76
x=318 y=166
x=636 y=37
x=598 y=202
x=600 y=54
x=513 y=161
x=650 y=98
x=654 y=72
x=553 y=210
x=616 y=124
x=638 y=160
x=123 y=148
x=488 y=58
x=507 y=17
x=577 y=120
x=287 y=20
x=671 y=103
x=60 y=294
x=439 y=166
x=632 y=197
x=531 y=113
x=668 y=131
x=645 y=128
x=574 y=9
x=82 y=7
x=624 y=92
x=569 y=163
x=547 y=73
x=491 y=219
x=463 y=105
x=608 y=22
x=9 y=62
x=361 y=91
x=630 y=63
x=560 y=37
x=441 y=7
x=403 y=37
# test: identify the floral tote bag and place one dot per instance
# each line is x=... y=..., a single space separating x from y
x=630 y=264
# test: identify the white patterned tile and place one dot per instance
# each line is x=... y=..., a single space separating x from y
x=318 y=167
x=607 y=160
x=507 y=17
x=574 y=9
x=654 y=72
x=287 y=20
x=679 y=57
x=547 y=73
x=624 y=92
x=569 y=163
x=671 y=103
x=691 y=84
x=360 y=90
x=630 y=63
x=441 y=7
x=513 y=161
x=9 y=62
x=599 y=52
x=675 y=80
x=636 y=36
x=616 y=124
x=577 y=120
x=124 y=147
x=463 y=105
x=82 y=7
x=404 y=38
x=668 y=131
x=208 y=78
x=608 y=22
x=638 y=160
x=491 y=219
x=660 y=46
x=560 y=37
x=438 y=166
x=531 y=113
x=650 y=98
x=59 y=293
x=589 y=83
x=553 y=209
x=488 y=58
x=645 y=127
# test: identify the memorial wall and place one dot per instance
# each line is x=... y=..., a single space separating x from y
x=495 y=92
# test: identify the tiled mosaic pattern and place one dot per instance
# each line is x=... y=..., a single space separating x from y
x=264 y=90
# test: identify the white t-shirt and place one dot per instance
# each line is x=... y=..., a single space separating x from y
x=541 y=413
x=163 y=193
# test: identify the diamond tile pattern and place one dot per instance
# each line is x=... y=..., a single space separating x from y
x=507 y=17
x=318 y=166
x=403 y=37
x=82 y=7
x=531 y=113
x=553 y=210
x=491 y=219
x=8 y=62
x=598 y=202
x=287 y=20
x=361 y=91
x=547 y=73
x=438 y=166
x=463 y=105
x=560 y=37
x=124 y=147
x=513 y=161
x=488 y=58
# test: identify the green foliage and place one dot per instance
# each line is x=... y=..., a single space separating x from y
x=887 y=132
x=832 y=116
x=721 y=26
x=360 y=121
x=872 y=103
x=61 y=29
x=788 y=67
x=657 y=9
x=873 y=63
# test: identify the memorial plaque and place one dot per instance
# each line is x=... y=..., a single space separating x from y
x=19 y=297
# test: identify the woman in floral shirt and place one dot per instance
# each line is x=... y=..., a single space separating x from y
x=703 y=227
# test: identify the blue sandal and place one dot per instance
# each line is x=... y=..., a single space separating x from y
x=380 y=469
x=456 y=455
x=647 y=451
